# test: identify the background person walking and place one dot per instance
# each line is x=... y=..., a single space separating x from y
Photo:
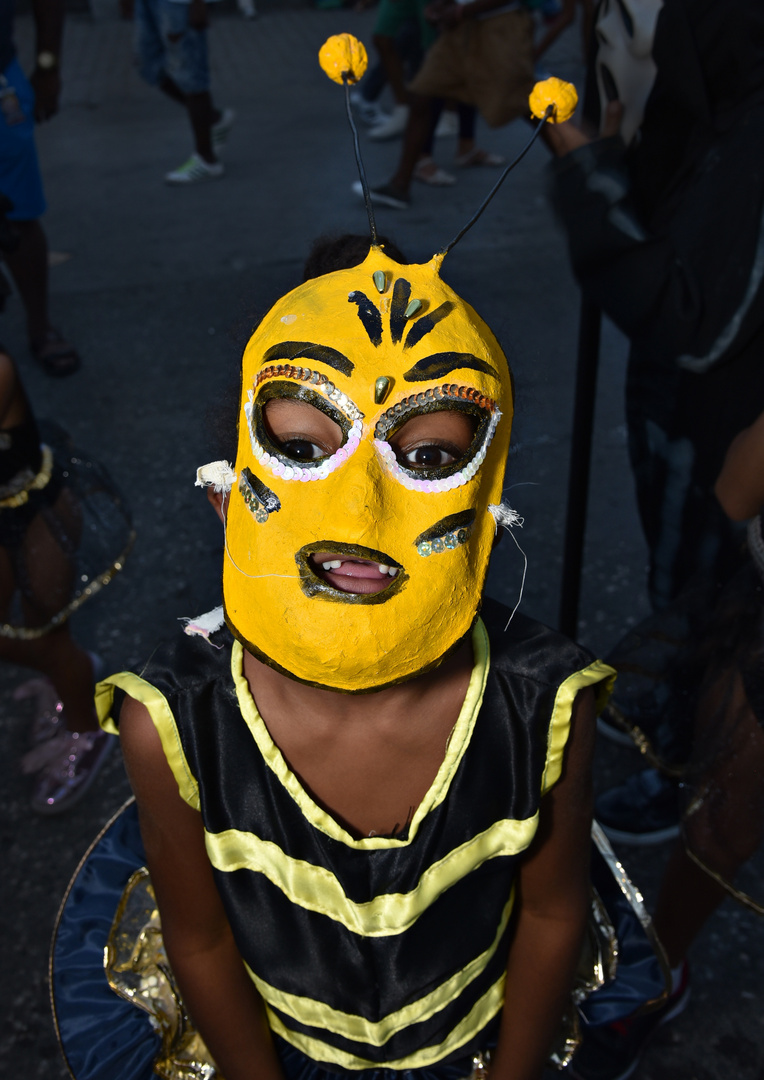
x=171 y=52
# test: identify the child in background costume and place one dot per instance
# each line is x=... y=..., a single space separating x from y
x=54 y=553
x=366 y=810
x=665 y=234
x=724 y=816
x=723 y=824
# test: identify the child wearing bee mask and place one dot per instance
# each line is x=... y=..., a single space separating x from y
x=366 y=809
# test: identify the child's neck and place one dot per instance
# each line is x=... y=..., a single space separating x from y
x=368 y=759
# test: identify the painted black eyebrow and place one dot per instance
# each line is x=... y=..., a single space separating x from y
x=369 y=315
x=306 y=350
x=442 y=363
x=426 y=323
x=400 y=301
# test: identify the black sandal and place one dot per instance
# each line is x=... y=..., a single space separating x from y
x=56 y=356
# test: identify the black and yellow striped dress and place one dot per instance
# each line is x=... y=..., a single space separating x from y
x=379 y=952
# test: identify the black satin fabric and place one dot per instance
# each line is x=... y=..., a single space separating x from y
x=302 y=951
x=104 y=1037
x=296 y=1066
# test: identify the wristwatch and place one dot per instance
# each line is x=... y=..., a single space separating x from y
x=46 y=61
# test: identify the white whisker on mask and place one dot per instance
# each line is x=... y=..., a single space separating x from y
x=236 y=566
x=506 y=517
x=216 y=474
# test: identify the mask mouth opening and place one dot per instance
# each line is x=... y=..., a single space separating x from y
x=348 y=573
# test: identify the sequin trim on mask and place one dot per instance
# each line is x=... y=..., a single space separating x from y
x=279 y=464
x=444 y=543
x=448 y=541
x=253 y=504
x=314 y=378
x=447 y=534
x=430 y=400
x=414 y=404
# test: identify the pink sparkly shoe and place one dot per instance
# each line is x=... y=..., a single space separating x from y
x=48 y=710
x=49 y=717
x=73 y=760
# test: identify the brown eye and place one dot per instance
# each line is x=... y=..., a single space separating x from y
x=434 y=440
x=429 y=456
x=302 y=450
x=301 y=431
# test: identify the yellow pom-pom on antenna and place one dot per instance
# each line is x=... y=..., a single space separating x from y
x=343 y=56
x=559 y=94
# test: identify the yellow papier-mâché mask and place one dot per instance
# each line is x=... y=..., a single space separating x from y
x=370 y=348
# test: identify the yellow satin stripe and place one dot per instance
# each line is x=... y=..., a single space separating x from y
x=559 y=729
x=161 y=714
x=457 y=744
x=314 y=888
x=482 y=1012
x=316 y=1014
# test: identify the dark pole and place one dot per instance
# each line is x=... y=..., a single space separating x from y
x=590 y=320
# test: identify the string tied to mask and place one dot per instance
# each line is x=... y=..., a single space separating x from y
x=506 y=517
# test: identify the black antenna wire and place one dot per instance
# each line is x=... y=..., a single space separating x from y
x=499 y=182
x=359 y=162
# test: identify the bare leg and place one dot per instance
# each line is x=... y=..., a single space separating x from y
x=467 y=117
x=393 y=65
x=414 y=141
x=56 y=655
x=201 y=112
x=29 y=266
x=168 y=87
x=69 y=668
x=726 y=828
x=202 y=115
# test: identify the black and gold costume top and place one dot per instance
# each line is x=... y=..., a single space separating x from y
x=379 y=951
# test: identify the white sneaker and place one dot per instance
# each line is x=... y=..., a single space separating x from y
x=368 y=112
x=222 y=129
x=393 y=126
x=194 y=171
x=448 y=124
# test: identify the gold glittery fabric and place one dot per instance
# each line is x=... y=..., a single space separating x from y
x=138 y=970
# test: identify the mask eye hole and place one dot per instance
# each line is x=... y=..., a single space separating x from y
x=434 y=440
x=299 y=430
x=436 y=434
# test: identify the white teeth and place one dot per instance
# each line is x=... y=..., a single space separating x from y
x=335 y=564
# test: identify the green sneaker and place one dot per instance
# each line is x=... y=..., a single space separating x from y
x=194 y=171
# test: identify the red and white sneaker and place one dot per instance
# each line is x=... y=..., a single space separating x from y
x=612 y=1051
